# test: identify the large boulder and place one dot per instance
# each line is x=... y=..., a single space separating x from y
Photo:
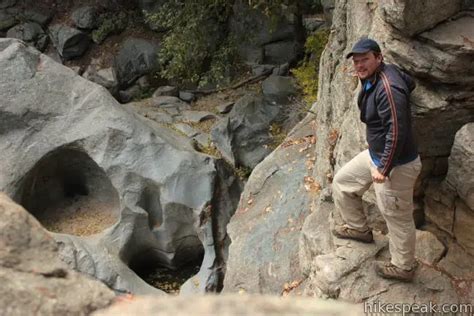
x=120 y=191
x=243 y=136
x=135 y=58
x=31 y=33
x=69 y=42
x=34 y=279
x=263 y=256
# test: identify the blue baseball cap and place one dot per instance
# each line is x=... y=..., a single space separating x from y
x=364 y=45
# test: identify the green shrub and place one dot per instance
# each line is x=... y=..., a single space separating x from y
x=197 y=48
x=110 y=23
x=307 y=72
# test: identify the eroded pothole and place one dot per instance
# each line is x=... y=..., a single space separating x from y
x=69 y=193
x=166 y=277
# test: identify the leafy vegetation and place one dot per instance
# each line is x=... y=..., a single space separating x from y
x=306 y=73
x=243 y=172
x=278 y=134
x=110 y=23
x=197 y=47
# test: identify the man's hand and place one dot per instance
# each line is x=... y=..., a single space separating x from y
x=377 y=177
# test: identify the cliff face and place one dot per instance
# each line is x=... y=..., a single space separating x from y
x=432 y=41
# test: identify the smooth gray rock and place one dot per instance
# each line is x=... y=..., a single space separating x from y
x=243 y=137
x=135 y=58
x=166 y=196
x=216 y=243
x=265 y=229
x=85 y=17
x=232 y=305
x=34 y=280
x=166 y=91
x=97 y=255
x=279 y=88
x=186 y=96
x=31 y=33
x=69 y=42
x=461 y=164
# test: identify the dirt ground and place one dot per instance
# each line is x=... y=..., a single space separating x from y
x=80 y=216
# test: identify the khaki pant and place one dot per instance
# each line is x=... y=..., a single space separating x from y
x=394 y=200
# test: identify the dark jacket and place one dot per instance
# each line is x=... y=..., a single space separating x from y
x=385 y=109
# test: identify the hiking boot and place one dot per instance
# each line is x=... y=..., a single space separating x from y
x=345 y=232
x=389 y=271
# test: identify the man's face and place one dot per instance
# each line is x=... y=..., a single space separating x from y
x=365 y=64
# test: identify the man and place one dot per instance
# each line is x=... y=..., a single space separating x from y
x=391 y=163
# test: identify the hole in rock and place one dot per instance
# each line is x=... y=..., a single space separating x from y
x=165 y=278
x=69 y=193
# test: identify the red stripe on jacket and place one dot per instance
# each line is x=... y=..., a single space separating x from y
x=386 y=85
